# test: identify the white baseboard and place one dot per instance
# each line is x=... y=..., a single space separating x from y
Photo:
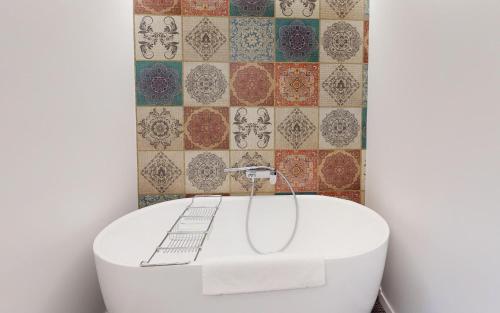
x=385 y=303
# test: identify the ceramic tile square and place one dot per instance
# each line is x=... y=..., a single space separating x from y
x=296 y=128
x=157 y=7
x=341 y=85
x=342 y=9
x=297 y=8
x=160 y=128
x=297 y=40
x=366 y=41
x=363 y=169
x=351 y=195
x=341 y=41
x=252 y=84
x=161 y=172
x=147 y=200
x=205 y=39
x=252 y=8
x=339 y=170
x=158 y=37
x=364 y=117
x=205 y=172
x=300 y=168
x=252 y=39
x=365 y=85
x=340 y=128
x=206 y=128
x=158 y=83
x=252 y=128
x=206 y=84
x=239 y=182
x=205 y=7
x=297 y=84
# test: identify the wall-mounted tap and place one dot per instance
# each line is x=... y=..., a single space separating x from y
x=253 y=172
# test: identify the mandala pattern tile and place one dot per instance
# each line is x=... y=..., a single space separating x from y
x=252 y=39
x=341 y=85
x=205 y=39
x=300 y=168
x=340 y=128
x=206 y=128
x=341 y=41
x=351 y=195
x=252 y=128
x=239 y=182
x=205 y=7
x=339 y=170
x=342 y=9
x=252 y=84
x=206 y=84
x=297 y=8
x=147 y=200
x=158 y=37
x=160 y=128
x=297 y=84
x=296 y=128
x=252 y=8
x=157 y=7
x=161 y=172
x=158 y=83
x=205 y=171
x=222 y=83
x=297 y=40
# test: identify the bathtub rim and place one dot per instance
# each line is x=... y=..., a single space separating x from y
x=103 y=232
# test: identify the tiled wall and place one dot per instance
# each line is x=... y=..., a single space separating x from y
x=223 y=83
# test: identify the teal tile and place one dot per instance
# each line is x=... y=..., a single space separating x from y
x=363 y=128
x=147 y=200
x=158 y=83
x=297 y=40
x=251 y=8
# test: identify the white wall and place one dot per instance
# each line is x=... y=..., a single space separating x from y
x=434 y=151
x=67 y=147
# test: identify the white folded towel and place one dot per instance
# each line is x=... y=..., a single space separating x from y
x=245 y=274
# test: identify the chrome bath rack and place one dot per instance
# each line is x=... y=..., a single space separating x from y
x=183 y=242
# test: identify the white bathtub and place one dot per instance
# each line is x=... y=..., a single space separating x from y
x=352 y=239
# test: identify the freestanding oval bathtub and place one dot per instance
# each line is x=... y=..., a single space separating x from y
x=352 y=239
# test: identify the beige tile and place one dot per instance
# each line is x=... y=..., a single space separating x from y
x=195 y=28
x=161 y=172
x=296 y=128
x=296 y=9
x=335 y=51
x=252 y=128
x=342 y=9
x=239 y=182
x=160 y=128
x=339 y=128
x=205 y=171
x=206 y=84
x=341 y=85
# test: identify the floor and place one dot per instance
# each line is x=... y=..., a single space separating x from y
x=378 y=308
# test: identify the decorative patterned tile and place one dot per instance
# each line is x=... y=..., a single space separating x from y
x=300 y=167
x=206 y=84
x=160 y=128
x=252 y=39
x=297 y=8
x=157 y=7
x=252 y=8
x=340 y=128
x=297 y=84
x=342 y=9
x=366 y=40
x=363 y=169
x=158 y=37
x=252 y=84
x=339 y=170
x=363 y=127
x=206 y=128
x=161 y=172
x=297 y=40
x=351 y=195
x=205 y=38
x=341 y=85
x=365 y=85
x=239 y=182
x=158 y=83
x=341 y=41
x=205 y=7
x=147 y=200
x=252 y=128
x=205 y=171
x=296 y=128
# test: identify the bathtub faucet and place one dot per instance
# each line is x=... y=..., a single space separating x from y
x=254 y=172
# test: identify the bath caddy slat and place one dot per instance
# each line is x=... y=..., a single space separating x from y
x=184 y=240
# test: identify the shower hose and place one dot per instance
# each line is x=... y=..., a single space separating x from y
x=249 y=208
